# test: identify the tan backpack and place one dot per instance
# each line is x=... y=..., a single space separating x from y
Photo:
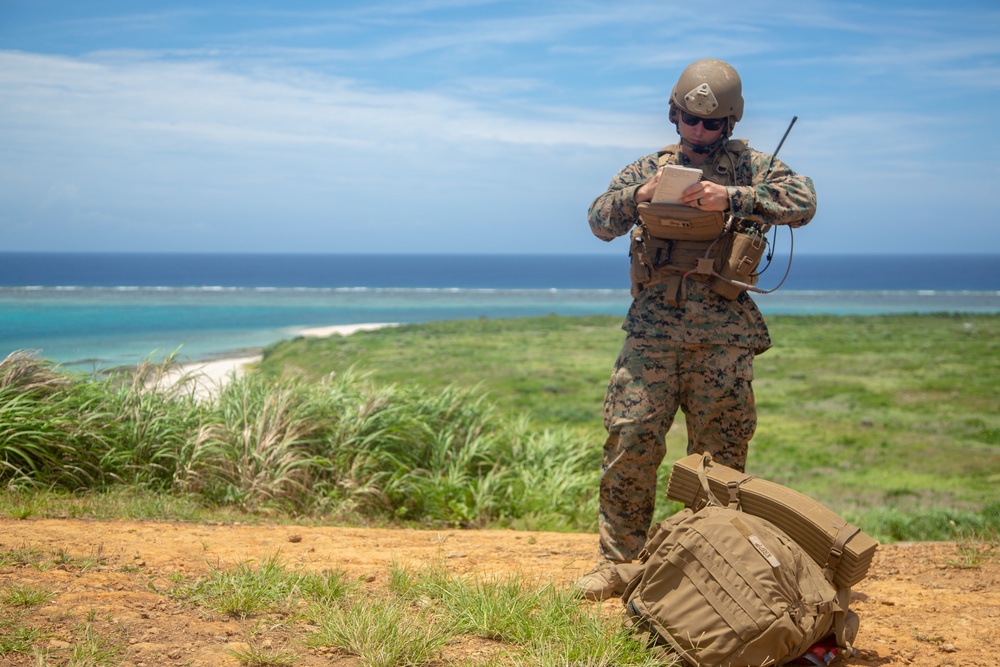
x=721 y=587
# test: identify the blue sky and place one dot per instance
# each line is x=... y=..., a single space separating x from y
x=475 y=126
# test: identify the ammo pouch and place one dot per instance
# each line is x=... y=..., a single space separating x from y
x=650 y=259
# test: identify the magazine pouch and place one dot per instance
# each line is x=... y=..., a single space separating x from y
x=649 y=256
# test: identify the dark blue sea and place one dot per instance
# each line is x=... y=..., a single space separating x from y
x=99 y=310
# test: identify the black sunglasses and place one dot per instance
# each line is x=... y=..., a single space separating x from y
x=710 y=124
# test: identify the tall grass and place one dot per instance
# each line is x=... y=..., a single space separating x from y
x=252 y=447
x=28 y=419
x=343 y=448
x=89 y=432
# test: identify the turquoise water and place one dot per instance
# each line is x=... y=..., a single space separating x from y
x=106 y=327
x=99 y=310
x=103 y=327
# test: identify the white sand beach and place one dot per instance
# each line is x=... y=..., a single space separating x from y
x=210 y=376
x=343 y=329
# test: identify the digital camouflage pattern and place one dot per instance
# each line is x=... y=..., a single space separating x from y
x=711 y=384
x=785 y=198
x=696 y=356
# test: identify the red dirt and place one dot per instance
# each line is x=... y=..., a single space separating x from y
x=917 y=606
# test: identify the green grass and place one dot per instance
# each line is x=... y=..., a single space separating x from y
x=17 y=595
x=883 y=412
x=249 y=589
x=421 y=615
x=892 y=421
x=263 y=654
x=96 y=647
x=18 y=636
x=520 y=621
x=380 y=632
x=279 y=612
x=554 y=368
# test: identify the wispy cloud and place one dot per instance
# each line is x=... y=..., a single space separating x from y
x=222 y=118
x=209 y=101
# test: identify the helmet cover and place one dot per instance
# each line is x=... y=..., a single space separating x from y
x=709 y=88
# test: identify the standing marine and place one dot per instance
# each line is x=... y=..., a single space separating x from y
x=692 y=330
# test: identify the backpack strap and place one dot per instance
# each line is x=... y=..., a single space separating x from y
x=845 y=622
x=733 y=486
x=844 y=535
x=710 y=499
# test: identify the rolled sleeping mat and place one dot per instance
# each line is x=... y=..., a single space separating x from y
x=829 y=540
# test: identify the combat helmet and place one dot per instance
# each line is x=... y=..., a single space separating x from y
x=708 y=88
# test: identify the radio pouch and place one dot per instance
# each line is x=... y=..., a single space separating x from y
x=738 y=262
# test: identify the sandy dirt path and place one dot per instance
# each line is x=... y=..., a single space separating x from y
x=917 y=606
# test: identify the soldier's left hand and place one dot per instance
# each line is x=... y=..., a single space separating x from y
x=706 y=196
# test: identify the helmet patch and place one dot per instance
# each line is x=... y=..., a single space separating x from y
x=701 y=101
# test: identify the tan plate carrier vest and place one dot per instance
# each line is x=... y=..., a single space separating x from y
x=673 y=242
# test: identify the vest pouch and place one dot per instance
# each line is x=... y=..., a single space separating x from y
x=681 y=223
x=648 y=257
x=640 y=268
x=738 y=261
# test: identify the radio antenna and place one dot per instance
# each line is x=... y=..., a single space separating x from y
x=791 y=250
x=780 y=144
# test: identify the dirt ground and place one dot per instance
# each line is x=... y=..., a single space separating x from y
x=917 y=606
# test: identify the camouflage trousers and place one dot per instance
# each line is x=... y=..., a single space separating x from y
x=652 y=379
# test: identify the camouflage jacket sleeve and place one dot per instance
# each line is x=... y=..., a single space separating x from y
x=614 y=213
x=783 y=198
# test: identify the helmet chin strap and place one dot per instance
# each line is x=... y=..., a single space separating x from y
x=704 y=149
x=698 y=148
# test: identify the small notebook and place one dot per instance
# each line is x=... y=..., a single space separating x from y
x=673 y=181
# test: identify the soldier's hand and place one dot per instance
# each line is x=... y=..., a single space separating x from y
x=647 y=189
x=707 y=196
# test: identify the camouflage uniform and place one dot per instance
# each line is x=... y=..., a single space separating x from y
x=696 y=356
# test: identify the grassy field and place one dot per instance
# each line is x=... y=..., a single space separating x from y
x=892 y=418
x=553 y=368
x=892 y=421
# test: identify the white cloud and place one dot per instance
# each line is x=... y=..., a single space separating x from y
x=206 y=102
x=326 y=118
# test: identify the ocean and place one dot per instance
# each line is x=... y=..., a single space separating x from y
x=100 y=310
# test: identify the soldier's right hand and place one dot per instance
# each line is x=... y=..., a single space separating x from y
x=646 y=190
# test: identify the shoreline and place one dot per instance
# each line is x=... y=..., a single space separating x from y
x=209 y=376
x=342 y=329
